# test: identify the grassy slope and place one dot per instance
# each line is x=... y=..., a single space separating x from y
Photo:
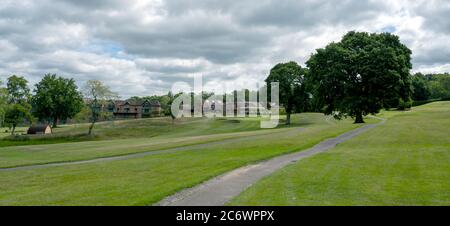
x=65 y=152
x=139 y=128
x=184 y=133
x=404 y=162
x=146 y=180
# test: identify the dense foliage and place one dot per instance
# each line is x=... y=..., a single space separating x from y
x=290 y=77
x=56 y=98
x=16 y=114
x=359 y=74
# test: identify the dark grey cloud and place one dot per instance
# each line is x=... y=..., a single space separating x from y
x=436 y=15
x=149 y=45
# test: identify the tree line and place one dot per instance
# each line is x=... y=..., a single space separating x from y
x=54 y=99
x=359 y=75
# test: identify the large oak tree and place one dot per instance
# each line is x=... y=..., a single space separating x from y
x=357 y=75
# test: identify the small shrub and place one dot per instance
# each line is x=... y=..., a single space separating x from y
x=16 y=140
x=404 y=105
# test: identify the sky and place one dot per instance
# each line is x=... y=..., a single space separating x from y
x=142 y=48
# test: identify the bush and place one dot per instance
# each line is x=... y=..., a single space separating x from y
x=16 y=140
x=404 y=105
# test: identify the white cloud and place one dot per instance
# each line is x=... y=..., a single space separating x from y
x=141 y=47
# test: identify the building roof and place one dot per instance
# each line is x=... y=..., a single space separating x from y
x=37 y=128
x=136 y=102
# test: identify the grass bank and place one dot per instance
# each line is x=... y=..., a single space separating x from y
x=403 y=162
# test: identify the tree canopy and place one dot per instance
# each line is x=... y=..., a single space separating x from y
x=56 y=98
x=357 y=75
x=97 y=94
x=3 y=103
x=439 y=85
x=421 y=90
x=18 y=90
x=292 y=91
x=16 y=114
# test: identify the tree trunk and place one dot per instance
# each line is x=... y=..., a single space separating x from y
x=55 y=122
x=288 y=118
x=359 y=118
x=13 y=130
x=91 y=127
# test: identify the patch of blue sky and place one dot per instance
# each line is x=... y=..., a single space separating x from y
x=110 y=48
x=389 y=29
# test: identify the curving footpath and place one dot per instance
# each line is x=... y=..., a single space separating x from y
x=223 y=188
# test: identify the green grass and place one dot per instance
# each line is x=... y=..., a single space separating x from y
x=5 y=132
x=64 y=152
x=41 y=154
x=403 y=162
x=146 y=180
x=134 y=128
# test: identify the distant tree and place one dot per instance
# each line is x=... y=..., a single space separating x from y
x=291 y=85
x=18 y=90
x=83 y=116
x=98 y=94
x=421 y=91
x=357 y=75
x=16 y=114
x=445 y=83
x=56 y=98
x=439 y=86
x=135 y=98
x=171 y=98
x=3 y=103
x=165 y=102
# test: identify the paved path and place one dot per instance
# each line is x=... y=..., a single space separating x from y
x=220 y=190
x=147 y=153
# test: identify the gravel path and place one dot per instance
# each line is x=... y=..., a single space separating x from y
x=222 y=189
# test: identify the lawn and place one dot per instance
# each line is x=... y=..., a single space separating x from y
x=134 y=128
x=4 y=132
x=146 y=180
x=65 y=152
x=403 y=162
x=217 y=129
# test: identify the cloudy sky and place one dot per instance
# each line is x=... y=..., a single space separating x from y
x=142 y=47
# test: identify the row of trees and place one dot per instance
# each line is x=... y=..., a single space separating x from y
x=54 y=99
x=14 y=102
x=431 y=86
x=357 y=76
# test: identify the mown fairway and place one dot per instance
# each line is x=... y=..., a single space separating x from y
x=133 y=128
x=184 y=132
x=145 y=180
x=403 y=162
